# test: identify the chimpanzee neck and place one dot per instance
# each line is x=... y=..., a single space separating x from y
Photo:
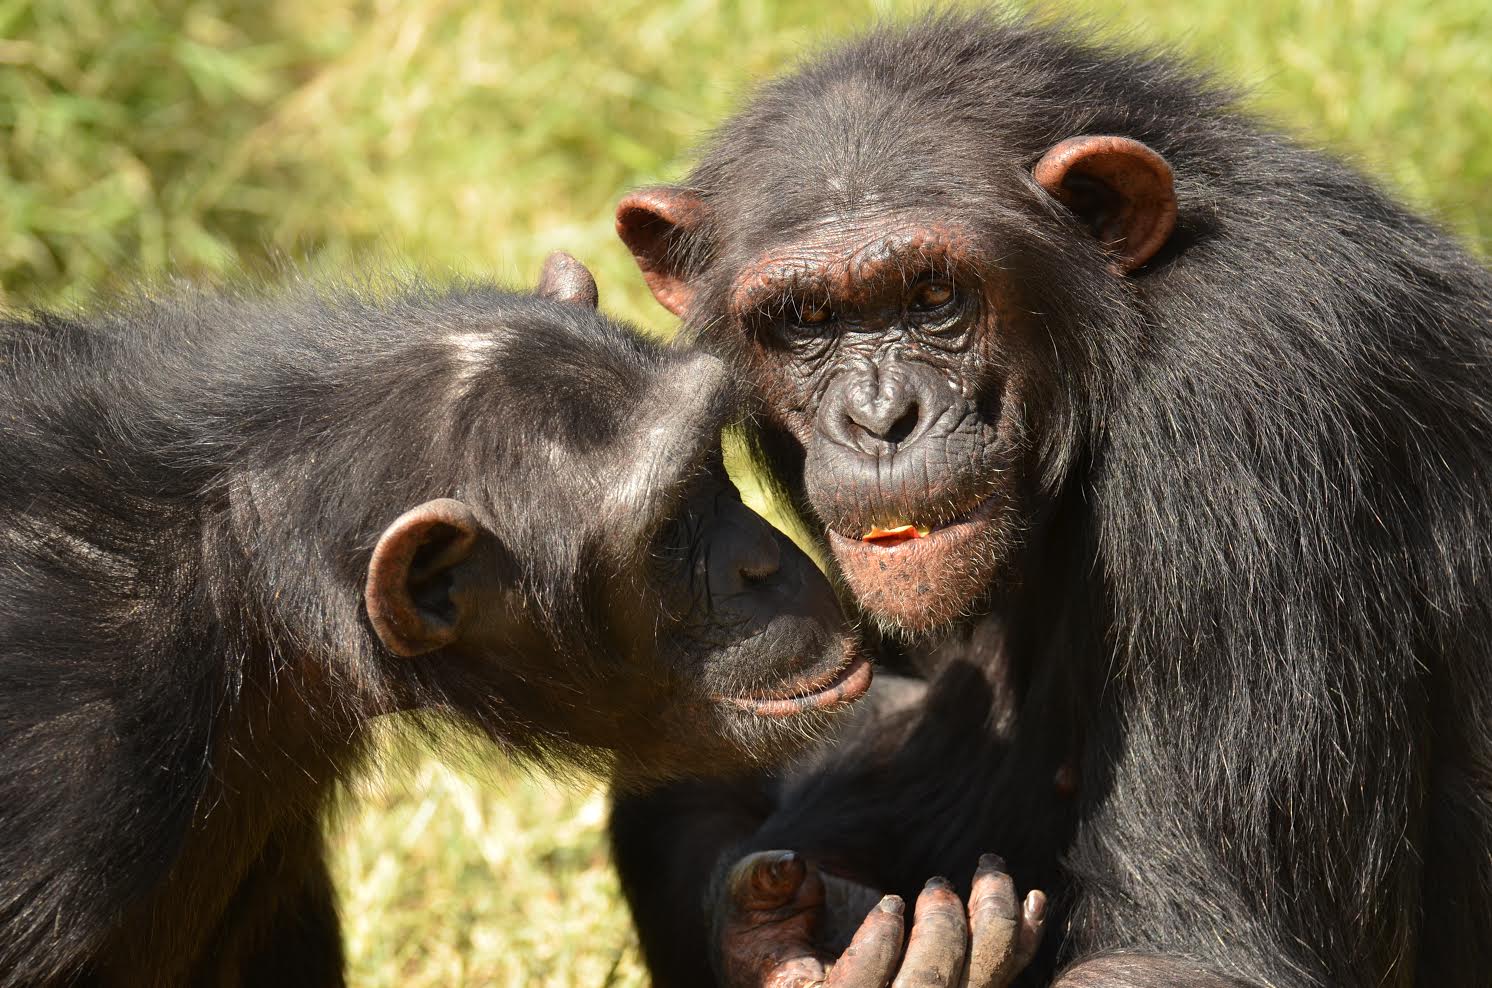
x=292 y=701
x=1025 y=630
x=985 y=643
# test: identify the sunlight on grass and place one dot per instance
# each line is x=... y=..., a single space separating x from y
x=447 y=879
x=207 y=136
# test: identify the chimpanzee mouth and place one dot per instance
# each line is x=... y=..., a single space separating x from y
x=842 y=685
x=916 y=578
x=902 y=533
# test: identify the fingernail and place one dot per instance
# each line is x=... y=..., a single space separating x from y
x=779 y=865
x=1036 y=905
x=939 y=882
x=991 y=862
x=892 y=904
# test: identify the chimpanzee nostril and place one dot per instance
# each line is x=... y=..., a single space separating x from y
x=902 y=427
x=890 y=414
x=870 y=408
x=746 y=552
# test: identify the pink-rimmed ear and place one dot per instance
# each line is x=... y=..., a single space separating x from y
x=1119 y=187
x=408 y=588
x=652 y=223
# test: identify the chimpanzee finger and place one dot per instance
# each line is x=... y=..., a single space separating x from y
x=1033 y=925
x=994 y=925
x=939 y=940
x=765 y=880
x=870 y=959
x=846 y=904
x=772 y=904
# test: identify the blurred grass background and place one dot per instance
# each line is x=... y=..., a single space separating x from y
x=208 y=136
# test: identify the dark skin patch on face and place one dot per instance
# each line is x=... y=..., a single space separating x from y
x=849 y=262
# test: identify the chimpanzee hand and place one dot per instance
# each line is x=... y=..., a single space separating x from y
x=773 y=909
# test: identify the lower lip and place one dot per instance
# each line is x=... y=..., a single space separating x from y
x=951 y=532
x=849 y=683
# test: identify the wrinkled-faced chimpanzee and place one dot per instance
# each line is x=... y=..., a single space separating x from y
x=237 y=527
x=1167 y=446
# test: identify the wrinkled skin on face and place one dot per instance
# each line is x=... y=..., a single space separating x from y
x=911 y=388
x=876 y=353
x=908 y=299
x=1211 y=468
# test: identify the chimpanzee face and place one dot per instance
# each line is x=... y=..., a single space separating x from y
x=897 y=301
x=873 y=342
x=742 y=621
x=598 y=572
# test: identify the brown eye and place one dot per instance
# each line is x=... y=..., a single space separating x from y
x=814 y=314
x=932 y=295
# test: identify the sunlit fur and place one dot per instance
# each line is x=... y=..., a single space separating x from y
x=1255 y=596
x=193 y=485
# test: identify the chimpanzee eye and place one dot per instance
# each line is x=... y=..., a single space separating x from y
x=931 y=295
x=813 y=314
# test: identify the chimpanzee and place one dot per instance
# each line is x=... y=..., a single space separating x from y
x=1159 y=448
x=237 y=526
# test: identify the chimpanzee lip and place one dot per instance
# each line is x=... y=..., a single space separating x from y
x=843 y=684
x=956 y=527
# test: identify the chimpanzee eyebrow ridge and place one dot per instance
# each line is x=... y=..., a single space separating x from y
x=841 y=270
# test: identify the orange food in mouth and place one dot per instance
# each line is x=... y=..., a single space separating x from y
x=894 y=536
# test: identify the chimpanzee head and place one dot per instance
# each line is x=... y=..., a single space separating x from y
x=909 y=264
x=551 y=545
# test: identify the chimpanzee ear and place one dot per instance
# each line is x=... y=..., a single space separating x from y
x=653 y=223
x=564 y=279
x=411 y=577
x=1121 y=188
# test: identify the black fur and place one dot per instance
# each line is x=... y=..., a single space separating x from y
x=191 y=488
x=1252 y=592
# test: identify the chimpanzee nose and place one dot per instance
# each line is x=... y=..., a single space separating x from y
x=745 y=553
x=875 y=406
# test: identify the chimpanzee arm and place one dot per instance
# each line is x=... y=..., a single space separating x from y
x=677 y=848
x=284 y=918
x=670 y=845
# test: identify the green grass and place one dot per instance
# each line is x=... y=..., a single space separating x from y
x=204 y=136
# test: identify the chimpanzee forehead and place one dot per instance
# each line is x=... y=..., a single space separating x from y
x=813 y=152
x=811 y=166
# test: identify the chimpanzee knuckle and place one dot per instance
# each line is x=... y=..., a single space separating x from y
x=793 y=972
x=940 y=972
x=870 y=959
x=939 y=941
x=993 y=954
x=991 y=918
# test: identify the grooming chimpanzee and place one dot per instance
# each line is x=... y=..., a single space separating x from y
x=236 y=528
x=1167 y=444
